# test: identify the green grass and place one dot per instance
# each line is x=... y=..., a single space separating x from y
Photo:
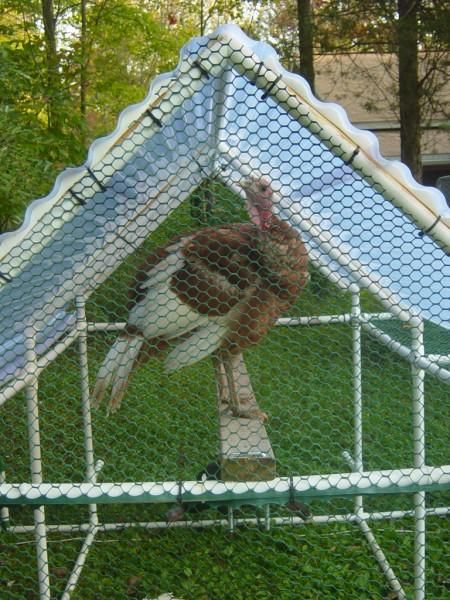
x=167 y=429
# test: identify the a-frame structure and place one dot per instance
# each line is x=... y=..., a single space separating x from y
x=227 y=111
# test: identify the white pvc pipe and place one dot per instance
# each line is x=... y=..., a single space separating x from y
x=357 y=390
x=80 y=562
x=331 y=319
x=382 y=560
x=91 y=470
x=357 y=459
x=334 y=484
x=92 y=327
x=282 y=321
x=25 y=378
x=85 y=400
x=34 y=442
x=421 y=361
x=418 y=409
x=313 y=520
x=4 y=511
x=231 y=520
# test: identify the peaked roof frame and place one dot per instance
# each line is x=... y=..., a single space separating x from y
x=228 y=45
x=209 y=59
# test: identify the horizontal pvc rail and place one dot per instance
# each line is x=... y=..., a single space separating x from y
x=189 y=522
x=278 y=491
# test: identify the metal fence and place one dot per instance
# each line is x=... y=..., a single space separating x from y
x=257 y=305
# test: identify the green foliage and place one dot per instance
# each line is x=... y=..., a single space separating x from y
x=30 y=154
x=124 y=45
x=42 y=126
x=128 y=45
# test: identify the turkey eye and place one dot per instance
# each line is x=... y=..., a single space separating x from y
x=264 y=188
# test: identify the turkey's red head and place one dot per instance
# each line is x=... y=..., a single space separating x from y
x=259 y=201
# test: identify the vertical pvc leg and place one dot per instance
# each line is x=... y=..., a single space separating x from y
x=85 y=400
x=4 y=512
x=357 y=392
x=356 y=461
x=231 y=521
x=91 y=467
x=418 y=409
x=40 y=530
x=267 y=518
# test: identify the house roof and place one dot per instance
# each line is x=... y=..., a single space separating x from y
x=229 y=109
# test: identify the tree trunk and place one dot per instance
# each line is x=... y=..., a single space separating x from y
x=83 y=61
x=84 y=67
x=305 y=40
x=408 y=78
x=53 y=81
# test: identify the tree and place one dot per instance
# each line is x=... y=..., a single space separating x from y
x=67 y=70
x=408 y=85
x=53 y=80
x=415 y=35
x=83 y=59
x=305 y=40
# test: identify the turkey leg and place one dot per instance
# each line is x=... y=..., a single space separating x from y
x=234 y=386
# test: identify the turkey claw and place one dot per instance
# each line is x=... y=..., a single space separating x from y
x=251 y=413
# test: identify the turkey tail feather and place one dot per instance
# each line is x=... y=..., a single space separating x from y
x=116 y=369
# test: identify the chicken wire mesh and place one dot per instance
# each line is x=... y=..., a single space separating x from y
x=267 y=373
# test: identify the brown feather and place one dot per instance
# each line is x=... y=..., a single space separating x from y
x=242 y=276
x=238 y=271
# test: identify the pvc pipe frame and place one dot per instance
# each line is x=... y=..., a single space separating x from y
x=419 y=363
x=357 y=460
x=91 y=470
x=357 y=319
x=34 y=444
x=418 y=412
x=290 y=520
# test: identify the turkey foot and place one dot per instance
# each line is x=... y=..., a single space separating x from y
x=248 y=413
x=234 y=388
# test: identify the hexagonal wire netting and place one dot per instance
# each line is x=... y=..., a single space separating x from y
x=261 y=387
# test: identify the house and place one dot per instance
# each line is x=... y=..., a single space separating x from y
x=364 y=84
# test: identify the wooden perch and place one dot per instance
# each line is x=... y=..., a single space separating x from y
x=245 y=450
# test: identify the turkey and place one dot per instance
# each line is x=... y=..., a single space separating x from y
x=213 y=292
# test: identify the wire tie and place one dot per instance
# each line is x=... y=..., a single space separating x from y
x=352 y=157
x=97 y=181
x=124 y=239
x=431 y=227
x=180 y=492
x=258 y=71
x=271 y=86
x=291 y=491
x=201 y=169
x=154 y=118
x=78 y=198
x=7 y=278
x=202 y=70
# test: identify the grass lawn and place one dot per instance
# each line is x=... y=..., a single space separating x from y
x=167 y=429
